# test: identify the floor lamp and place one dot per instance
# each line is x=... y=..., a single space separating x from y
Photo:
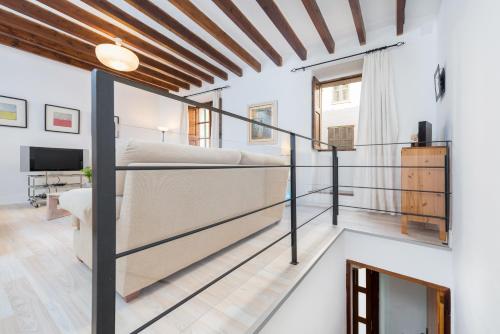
x=163 y=129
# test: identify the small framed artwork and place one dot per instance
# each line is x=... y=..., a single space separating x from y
x=266 y=113
x=62 y=119
x=117 y=126
x=439 y=82
x=13 y=112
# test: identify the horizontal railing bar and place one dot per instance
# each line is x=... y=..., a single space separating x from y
x=314 y=191
x=398 y=189
x=186 y=167
x=165 y=93
x=316 y=216
x=367 y=166
x=375 y=166
x=203 y=228
x=206 y=286
x=405 y=143
x=395 y=212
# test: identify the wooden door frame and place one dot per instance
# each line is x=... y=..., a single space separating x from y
x=351 y=264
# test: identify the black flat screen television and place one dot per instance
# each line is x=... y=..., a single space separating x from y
x=46 y=159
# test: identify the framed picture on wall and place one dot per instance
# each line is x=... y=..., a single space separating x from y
x=13 y=112
x=266 y=113
x=62 y=119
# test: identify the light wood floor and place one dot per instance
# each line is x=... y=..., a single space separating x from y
x=44 y=289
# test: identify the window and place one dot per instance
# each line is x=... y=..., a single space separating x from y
x=342 y=137
x=340 y=94
x=336 y=112
x=199 y=126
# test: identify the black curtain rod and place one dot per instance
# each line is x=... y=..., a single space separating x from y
x=303 y=68
x=207 y=91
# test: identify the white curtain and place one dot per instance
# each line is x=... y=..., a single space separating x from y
x=214 y=131
x=184 y=126
x=378 y=123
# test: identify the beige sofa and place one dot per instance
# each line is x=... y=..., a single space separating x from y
x=153 y=205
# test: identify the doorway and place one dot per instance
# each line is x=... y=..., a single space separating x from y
x=380 y=301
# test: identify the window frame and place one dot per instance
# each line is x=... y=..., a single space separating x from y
x=317 y=112
x=195 y=138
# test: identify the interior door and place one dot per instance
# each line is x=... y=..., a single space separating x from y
x=365 y=301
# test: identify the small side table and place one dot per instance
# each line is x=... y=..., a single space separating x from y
x=53 y=212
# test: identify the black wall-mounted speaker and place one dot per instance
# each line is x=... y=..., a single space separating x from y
x=424 y=133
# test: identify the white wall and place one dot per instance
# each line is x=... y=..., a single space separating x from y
x=42 y=81
x=39 y=81
x=141 y=113
x=469 y=113
x=318 y=304
x=403 y=306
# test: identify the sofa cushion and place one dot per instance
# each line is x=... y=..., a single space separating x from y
x=79 y=203
x=136 y=151
x=248 y=158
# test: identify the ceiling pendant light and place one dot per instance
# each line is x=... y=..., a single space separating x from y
x=117 y=57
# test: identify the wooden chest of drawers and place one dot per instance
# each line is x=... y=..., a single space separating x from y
x=428 y=179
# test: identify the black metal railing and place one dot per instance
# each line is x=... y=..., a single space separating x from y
x=104 y=254
x=446 y=192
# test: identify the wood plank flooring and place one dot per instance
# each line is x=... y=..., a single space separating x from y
x=45 y=289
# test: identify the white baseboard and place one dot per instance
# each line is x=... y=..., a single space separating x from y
x=13 y=199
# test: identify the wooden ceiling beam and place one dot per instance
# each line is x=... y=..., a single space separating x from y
x=190 y=10
x=39 y=51
x=320 y=24
x=90 y=59
x=94 y=21
x=131 y=22
x=157 y=14
x=400 y=16
x=159 y=66
x=238 y=18
x=19 y=23
x=273 y=12
x=43 y=15
x=357 y=16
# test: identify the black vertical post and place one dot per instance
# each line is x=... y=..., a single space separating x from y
x=335 y=185
x=293 y=195
x=220 y=123
x=103 y=204
x=447 y=187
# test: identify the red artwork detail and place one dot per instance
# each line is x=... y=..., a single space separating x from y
x=66 y=123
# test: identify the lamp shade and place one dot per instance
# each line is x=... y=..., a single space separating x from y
x=117 y=57
x=163 y=128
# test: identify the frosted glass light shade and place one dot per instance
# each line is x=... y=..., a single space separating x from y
x=117 y=57
x=163 y=128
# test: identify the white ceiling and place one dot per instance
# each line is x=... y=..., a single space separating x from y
x=377 y=14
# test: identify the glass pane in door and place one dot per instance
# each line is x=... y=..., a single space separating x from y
x=362 y=305
x=361 y=328
x=362 y=277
